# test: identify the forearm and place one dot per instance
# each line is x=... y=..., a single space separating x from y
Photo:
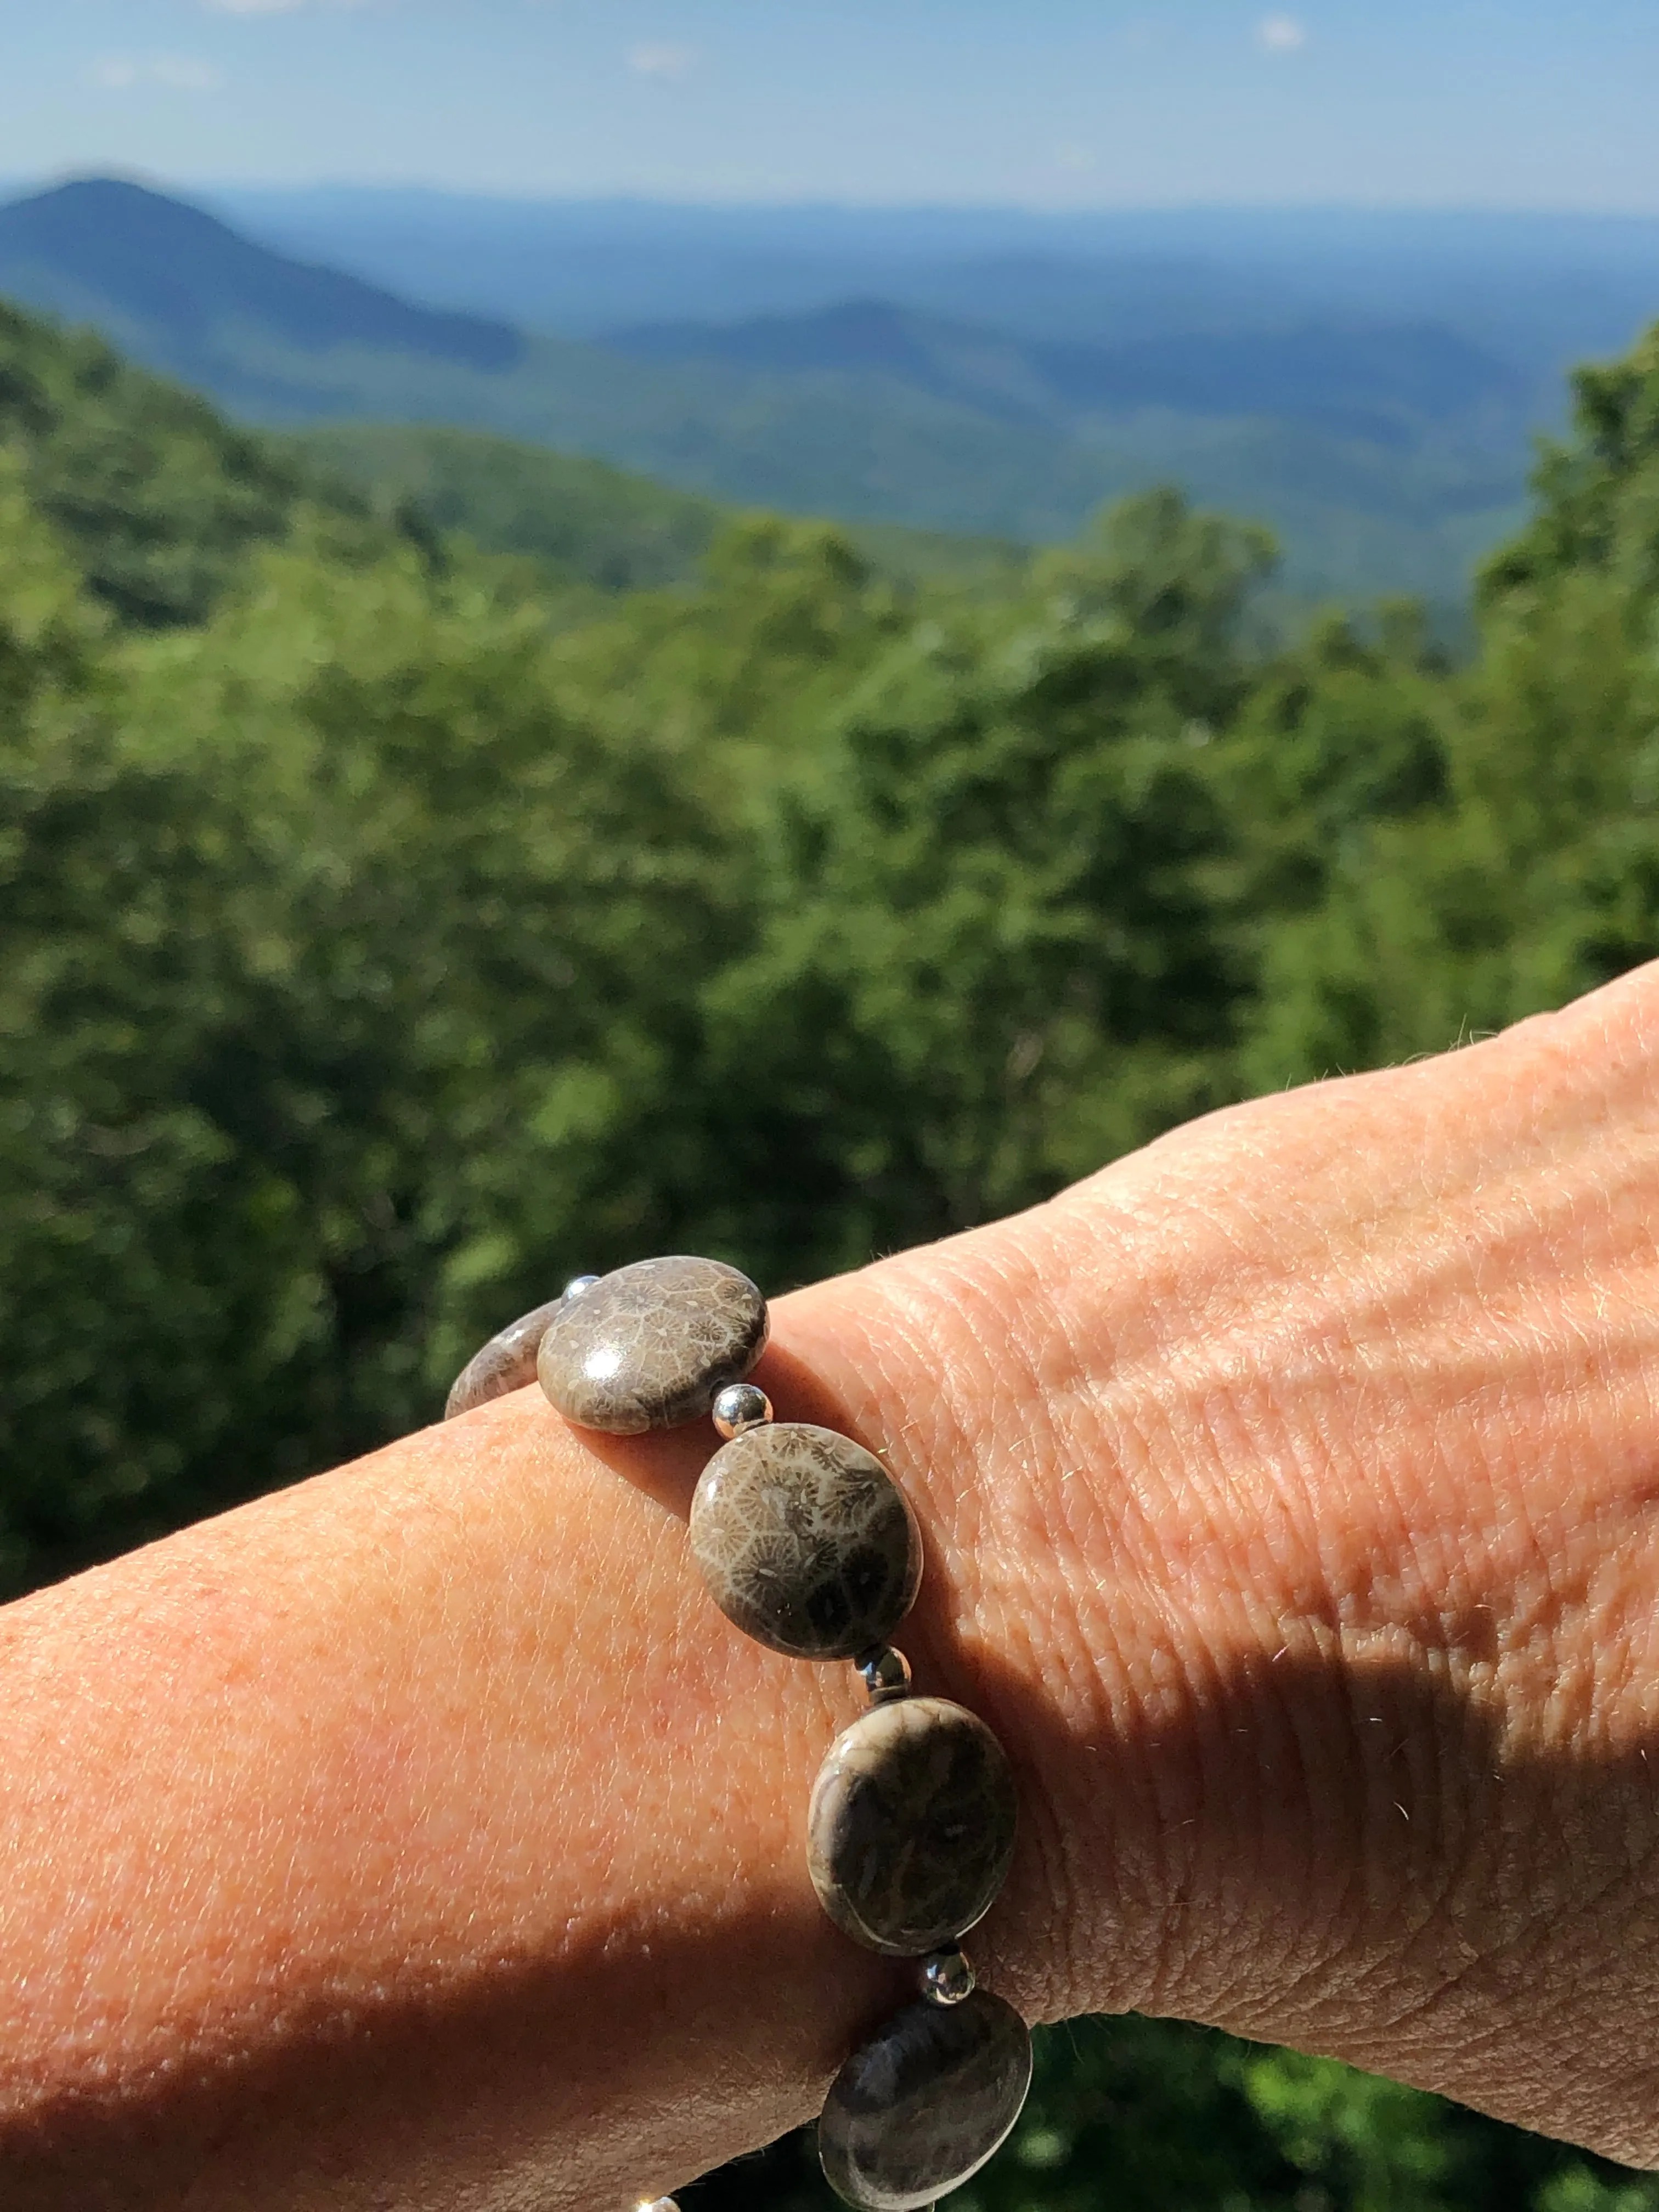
x=426 y=1827
x=425 y=1832
x=422 y=1826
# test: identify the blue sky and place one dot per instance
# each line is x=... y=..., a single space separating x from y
x=1491 y=103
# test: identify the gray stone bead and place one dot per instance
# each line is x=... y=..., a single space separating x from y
x=910 y=1830
x=507 y=1363
x=805 y=1541
x=917 y=2109
x=652 y=1345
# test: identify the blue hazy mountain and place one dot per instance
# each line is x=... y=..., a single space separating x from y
x=1544 y=290
x=178 y=283
x=1000 y=375
x=1383 y=382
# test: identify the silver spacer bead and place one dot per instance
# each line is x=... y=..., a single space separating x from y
x=656 y=2204
x=578 y=1283
x=947 y=1978
x=740 y=1407
x=887 y=1674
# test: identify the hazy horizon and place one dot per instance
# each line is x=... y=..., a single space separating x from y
x=1062 y=106
x=204 y=188
x=209 y=191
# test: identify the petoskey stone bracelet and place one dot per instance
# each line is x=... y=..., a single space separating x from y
x=807 y=1544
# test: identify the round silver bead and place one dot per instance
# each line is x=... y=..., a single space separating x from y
x=947 y=1978
x=656 y=2204
x=886 y=1674
x=740 y=1407
x=578 y=1283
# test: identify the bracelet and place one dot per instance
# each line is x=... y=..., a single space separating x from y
x=807 y=1544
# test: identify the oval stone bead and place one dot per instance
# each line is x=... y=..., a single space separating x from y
x=507 y=1363
x=917 y=2110
x=805 y=1541
x=910 y=1830
x=651 y=1345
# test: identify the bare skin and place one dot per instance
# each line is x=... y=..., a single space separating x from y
x=422 y=1836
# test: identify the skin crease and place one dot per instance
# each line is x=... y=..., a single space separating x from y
x=422 y=1836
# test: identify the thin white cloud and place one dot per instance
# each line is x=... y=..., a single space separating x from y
x=172 y=72
x=1281 y=35
x=661 y=59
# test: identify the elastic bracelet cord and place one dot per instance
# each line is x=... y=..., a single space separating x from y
x=806 y=1544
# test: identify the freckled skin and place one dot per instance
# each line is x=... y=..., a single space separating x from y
x=652 y=1345
x=920 y=2107
x=910 y=1833
x=805 y=1541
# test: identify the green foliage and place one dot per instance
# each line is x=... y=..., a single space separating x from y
x=1515 y=860
x=1577 y=2188
x=387 y=943
x=1376 y=2146
x=1355 y=514
x=987 y=955
x=158 y=498
x=1598 y=496
x=342 y=971
x=579 y=521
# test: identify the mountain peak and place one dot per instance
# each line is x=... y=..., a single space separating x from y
x=78 y=198
x=168 y=267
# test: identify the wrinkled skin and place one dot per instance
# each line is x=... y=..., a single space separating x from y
x=1290 y=1492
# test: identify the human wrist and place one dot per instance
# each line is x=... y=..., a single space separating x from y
x=958 y=1364
x=1335 y=1480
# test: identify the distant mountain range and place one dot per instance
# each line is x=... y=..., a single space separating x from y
x=1006 y=391
x=1381 y=382
x=1543 y=290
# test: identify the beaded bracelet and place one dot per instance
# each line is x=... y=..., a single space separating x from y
x=807 y=1544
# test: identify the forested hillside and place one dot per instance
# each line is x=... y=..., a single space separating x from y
x=382 y=945
x=1387 y=443
x=579 y=521
x=157 y=497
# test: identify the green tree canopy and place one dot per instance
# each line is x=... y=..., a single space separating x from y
x=384 y=943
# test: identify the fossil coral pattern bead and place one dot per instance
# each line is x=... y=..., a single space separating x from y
x=507 y=1363
x=807 y=1544
x=805 y=1541
x=651 y=1345
x=910 y=1830
x=917 y=2109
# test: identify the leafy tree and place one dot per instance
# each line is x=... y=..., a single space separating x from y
x=383 y=943
x=159 y=498
x=987 y=956
x=1515 y=863
x=339 y=991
